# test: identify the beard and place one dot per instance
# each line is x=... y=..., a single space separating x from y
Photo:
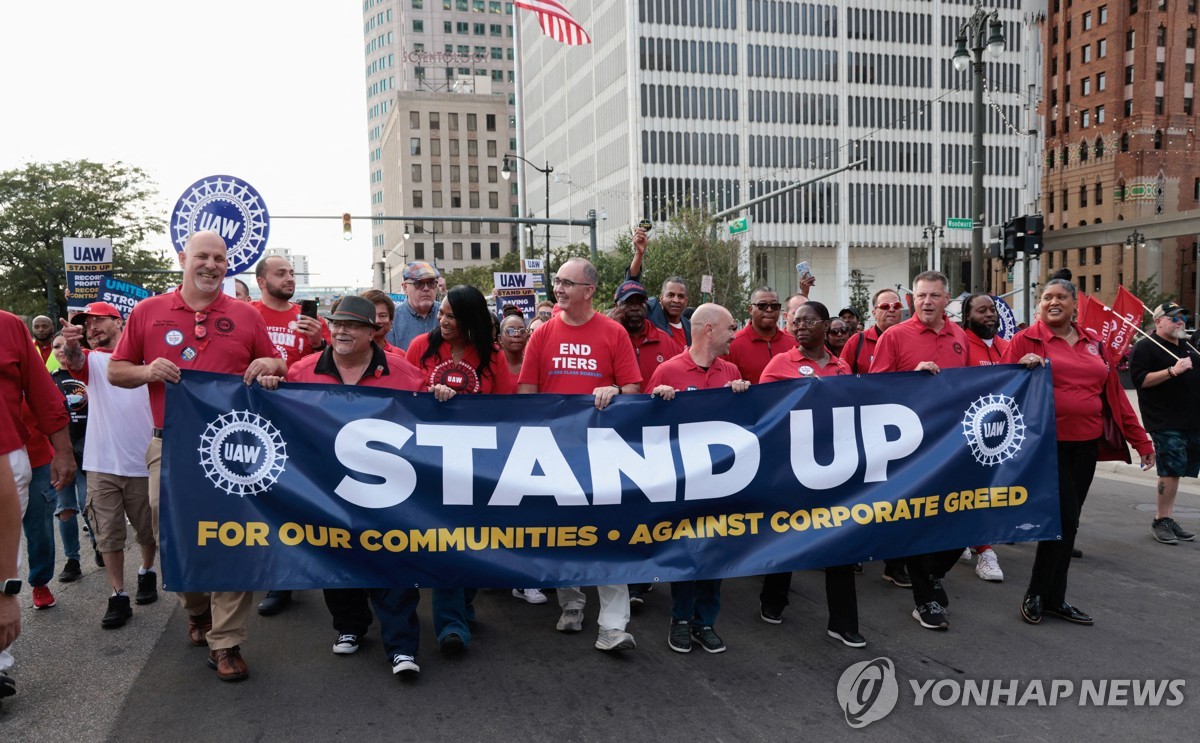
x=985 y=332
x=280 y=293
x=1180 y=333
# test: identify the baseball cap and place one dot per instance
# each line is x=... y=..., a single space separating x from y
x=355 y=309
x=1168 y=308
x=851 y=310
x=95 y=309
x=630 y=289
x=419 y=271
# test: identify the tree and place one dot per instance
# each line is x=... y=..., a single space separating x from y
x=1147 y=290
x=41 y=203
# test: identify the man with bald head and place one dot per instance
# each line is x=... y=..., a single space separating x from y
x=43 y=329
x=582 y=352
x=695 y=603
x=197 y=327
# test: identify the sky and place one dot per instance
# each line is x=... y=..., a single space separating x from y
x=268 y=91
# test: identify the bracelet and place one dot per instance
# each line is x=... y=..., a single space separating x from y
x=618 y=388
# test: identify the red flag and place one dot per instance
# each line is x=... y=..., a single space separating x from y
x=1127 y=313
x=1093 y=316
x=556 y=22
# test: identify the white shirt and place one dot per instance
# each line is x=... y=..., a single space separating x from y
x=119 y=423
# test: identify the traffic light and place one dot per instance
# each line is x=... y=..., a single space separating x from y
x=1011 y=244
x=346 y=234
x=1032 y=244
x=996 y=241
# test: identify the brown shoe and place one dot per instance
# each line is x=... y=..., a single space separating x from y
x=229 y=663
x=198 y=627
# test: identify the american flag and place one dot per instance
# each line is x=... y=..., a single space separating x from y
x=556 y=22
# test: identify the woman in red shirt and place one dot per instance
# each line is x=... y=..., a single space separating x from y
x=1084 y=380
x=514 y=336
x=810 y=358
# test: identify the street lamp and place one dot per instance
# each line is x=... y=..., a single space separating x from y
x=505 y=172
x=979 y=22
x=1135 y=241
x=932 y=233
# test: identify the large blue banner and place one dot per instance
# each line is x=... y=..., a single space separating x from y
x=317 y=486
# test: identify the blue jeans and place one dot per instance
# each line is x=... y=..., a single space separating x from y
x=74 y=499
x=396 y=608
x=696 y=601
x=453 y=609
x=39 y=527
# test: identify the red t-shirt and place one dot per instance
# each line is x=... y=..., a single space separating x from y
x=979 y=353
x=859 y=360
x=750 y=353
x=911 y=342
x=23 y=377
x=163 y=326
x=652 y=348
x=793 y=364
x=462 y=376
x=683 y=373
x=386 y=370
x=281 y=326
x=1079 y=374
x=679 y=335
x=44 y=351
x=576 y=359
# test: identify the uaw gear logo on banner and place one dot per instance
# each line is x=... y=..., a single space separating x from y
x=329 y=486
x=1006 y=321
x=231 y=208
x=457 y=375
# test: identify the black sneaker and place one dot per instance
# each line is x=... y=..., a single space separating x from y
x=1180 y=533
x=849 y=639
x=680 y=638
x=708 y=639
x=8 y=686
x=931 y=616
x=118 y=612
x=452 y=645
x=1161 y=530
x=769 y=615
x=70 y=572
x=147 y=590
x=939 y=593
x=1076 y=554
x=637 y=591
x=899 y=576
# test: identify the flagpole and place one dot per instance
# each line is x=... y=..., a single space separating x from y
x=518 y=98
x=1137 y=329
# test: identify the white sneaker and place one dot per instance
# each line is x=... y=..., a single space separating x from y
x=532 y=595
x=570 y=621
x=966 y=555
x=615 y=639
x=988 y=566
x=405 y=664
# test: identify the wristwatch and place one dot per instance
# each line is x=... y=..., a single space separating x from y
x=12 y=587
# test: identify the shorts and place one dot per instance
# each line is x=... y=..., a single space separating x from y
x=110 y=499
x=1177 y=453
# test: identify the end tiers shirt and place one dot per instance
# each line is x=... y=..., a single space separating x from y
x=576 y=359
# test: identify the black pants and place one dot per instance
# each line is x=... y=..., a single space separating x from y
x=840 y=595
x=923 y=568
x=1076 y=468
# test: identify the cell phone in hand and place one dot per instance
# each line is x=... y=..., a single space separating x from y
x=308 y=308
x=803 y=270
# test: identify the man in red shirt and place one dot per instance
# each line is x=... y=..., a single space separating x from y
x=927 y=341
x=296 y=336
x=755 y=344
x=984 y=348
x=695 y=603
x=651 y=345
x=860 y=349
x=197 y=326
x=24 y=379
x=581 y=352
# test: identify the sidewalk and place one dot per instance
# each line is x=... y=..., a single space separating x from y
x=1133 y=473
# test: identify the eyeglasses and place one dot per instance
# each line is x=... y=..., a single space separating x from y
x=885 y=306
x=200 y=331
x=568 y=284
x=806 y=322
x=839 y=331
x=515 y=332
x=423 y=284
x=767 y=306
x=1179 y=318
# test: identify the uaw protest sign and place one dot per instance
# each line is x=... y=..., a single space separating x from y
x=319 y=486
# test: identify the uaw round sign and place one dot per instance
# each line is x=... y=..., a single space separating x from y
x=230 y=207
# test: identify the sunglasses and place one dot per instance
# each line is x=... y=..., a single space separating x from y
x=767 y=306
x=839 y=331
x=423 y=284
x=515 y=332
x=885 y=306
x=1178 y=318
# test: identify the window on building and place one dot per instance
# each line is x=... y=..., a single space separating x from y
x=414 y=119
x=415 y=172
x=1129 y=74
x=455 y=173
x=1158 y=139
x=473 y=173
x=1101 y=79
x=472 y=148
x=419 y=251
x=1098 y=195
x=1099 y=115
x=414 y=146
x=1129 y=40
x=418 y=26
x=472 y=123
x=1189 y=72
x=1161 y=37
x=1127 y=107
x=1096 y=255
x=1103 y=13
x=456 y=252
x=454 y=148
x=1085 y=86
x=437 y=199
x=435 y=147
x=1085 y=54
x=490 y=122
x=1158 y=105
x=493 y=200
x=1085 y=120
x=418 y=199
x=1160 y=71
x=1187 y=106
x=1087 y=21
x=1049 y=202
x=1191 y=38
x=492 y=174
x=435 y=120
x=1102 y=48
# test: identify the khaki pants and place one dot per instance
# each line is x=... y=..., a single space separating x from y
x=229 y=608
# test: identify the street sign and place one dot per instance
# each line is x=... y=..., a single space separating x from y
x=959 y=223
x=739 y=225
x=706 y=284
